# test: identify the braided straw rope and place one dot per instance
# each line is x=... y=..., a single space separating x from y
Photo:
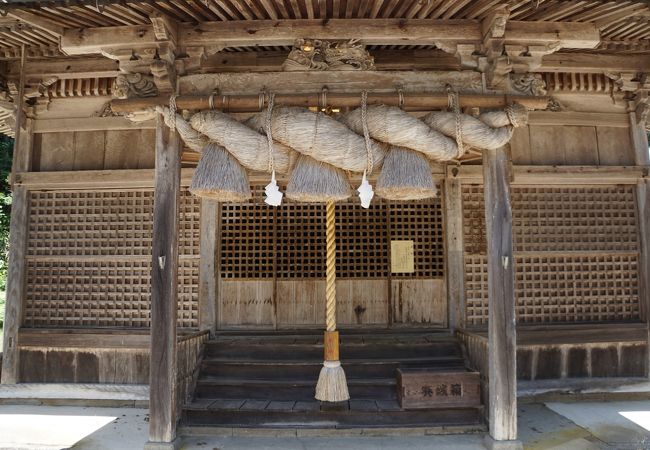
x=330 y=289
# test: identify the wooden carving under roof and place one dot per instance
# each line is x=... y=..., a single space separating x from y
x=315 y=54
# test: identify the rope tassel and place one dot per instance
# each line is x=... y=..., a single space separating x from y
x=332 y=385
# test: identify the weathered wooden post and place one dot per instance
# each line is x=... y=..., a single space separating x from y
x=209 y=265
x=455 y=251
x=22 y=161
x=164 y=290
x=501 y=297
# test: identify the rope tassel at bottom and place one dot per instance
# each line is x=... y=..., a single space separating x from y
x=332 y=385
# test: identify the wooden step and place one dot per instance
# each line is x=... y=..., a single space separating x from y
x=359 y=368
x=289 y=389
x=314 y=351
x=263 y=413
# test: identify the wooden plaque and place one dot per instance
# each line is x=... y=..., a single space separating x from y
x=402 y=259
x=428 y=389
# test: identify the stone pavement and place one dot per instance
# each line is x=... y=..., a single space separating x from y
x=558 y=426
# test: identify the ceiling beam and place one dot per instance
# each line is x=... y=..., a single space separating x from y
x=369 y=32
x=65 y=68
x=43 y=23
x=594 y=63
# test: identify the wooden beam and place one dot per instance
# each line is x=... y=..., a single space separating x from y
x=639 y=139
x=564 y=34
x=501 y=299
x=369 y=32
x=164 y=289
x=18 y=235
x=208 y=268
x=254 y=33
x=594 y=63
x=65 y=68
x=41 y=22
x=94 y=179
x=455 y=252
x=271 y=61
x=561 y=175
x=84 y=41
x=643 y=209
x=251 y=103
x=90 y=124
x=586 y=119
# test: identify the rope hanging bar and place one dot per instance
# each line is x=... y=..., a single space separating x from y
x=408 y=101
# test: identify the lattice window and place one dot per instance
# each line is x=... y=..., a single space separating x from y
x=289 y=241
x=89 y=259
x=576 y=254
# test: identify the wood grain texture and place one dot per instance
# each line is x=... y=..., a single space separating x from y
x=18 y=236
x=520 y=146
x=501 y=296
x=421 y=389
x=419 y=302
x=639 y=139
x=361 y=302
x=246 y=303
x=643 y=208
x=164 y=286
x=300 y=302
x=614 y=146
x=580 y=145
x=455 y=251
x=89 y=150
x=208 y=267
x=122 y=149
x=56 y=152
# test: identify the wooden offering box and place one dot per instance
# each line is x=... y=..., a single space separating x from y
x=417 y=388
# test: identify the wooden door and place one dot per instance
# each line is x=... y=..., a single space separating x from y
x=272 y=265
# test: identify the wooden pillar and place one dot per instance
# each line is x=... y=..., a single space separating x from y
x=209 y=266
x=501 y=329
x=15 y=299
x=164 y=290
x=455 y=252
x=17 y=252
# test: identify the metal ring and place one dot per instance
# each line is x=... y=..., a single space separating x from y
x=211 y=100
x=261 y=100
x=400 y=98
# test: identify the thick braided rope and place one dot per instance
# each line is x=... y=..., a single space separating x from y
x=330 y=289
x=172 y=112
x=511 y=116
x=366 y=133
x=454 y=104
x=269 y=136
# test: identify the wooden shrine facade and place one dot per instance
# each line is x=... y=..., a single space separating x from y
x=114 y=264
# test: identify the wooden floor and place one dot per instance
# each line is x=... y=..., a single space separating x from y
x=268 y=380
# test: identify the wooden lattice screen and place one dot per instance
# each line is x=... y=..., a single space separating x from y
x=89 y=259
x=576 y=254
x=288 y=242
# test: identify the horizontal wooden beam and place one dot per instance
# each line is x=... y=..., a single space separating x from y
x=90 y=124
x=557 y=175
x=594 y=63
x=65 y=68
x=94 y=179
x=254 y=33
x=368 y=31
x=565 y=34
x=252 y=103
x=92 y=338
x=587 y=119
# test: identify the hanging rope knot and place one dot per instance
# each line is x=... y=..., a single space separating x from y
x=454 y=105
x=512 y=116
x=269 y=132
x=366 y=133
